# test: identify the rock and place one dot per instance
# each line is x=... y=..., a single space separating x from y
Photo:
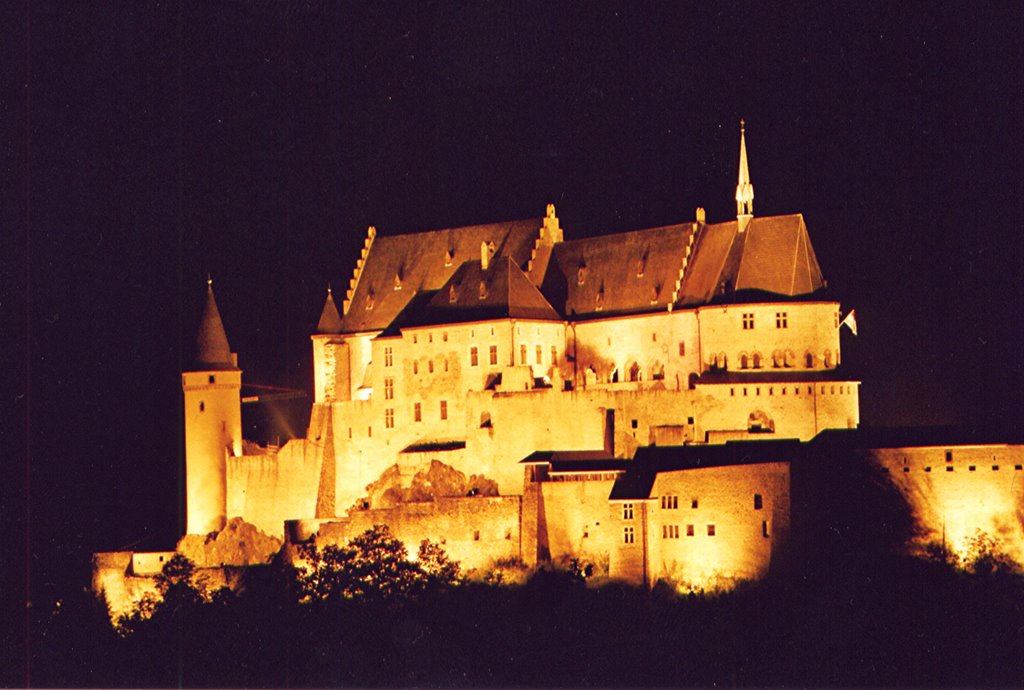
x=239 y=543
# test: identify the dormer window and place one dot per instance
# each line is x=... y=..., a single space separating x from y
x=398 y=281
x=581 y=274
x=449 y=256
x=654 y=295
x=641 y=266
x=369 y=300
x=600 y=298
x=452 y=295
x=483 y=289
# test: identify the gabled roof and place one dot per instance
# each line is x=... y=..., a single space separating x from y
x=212 y=349
x=773 y=255
x=330 y=319
x=400 y=266
x=473 y=294
x=627 y=272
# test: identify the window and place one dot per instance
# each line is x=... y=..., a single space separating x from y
x=670 y=531
x=711 y=530
x=202 y=406
x=389 y=357
x=473 y=361
x=758 y=502
x=689 y=530
x=682 y=348
x=949 y=456
x=764 y=529
x=213 y=378
x=693 y=503
x=415 y=367
x=781 y=319
x=494 y=354
x=389 y=418
x=540 y=355
x=744 y=361
x=809 y=360
x=627 y=511
x=414 y=339
x=476 y=535
x=748 y=322
x=628 y=535
x=430 y=366
x=522 y=354
x=389 y=388
x=669 y=502
x=554 y=355
x=417 y=412
x=444 y=410
x=757 y=360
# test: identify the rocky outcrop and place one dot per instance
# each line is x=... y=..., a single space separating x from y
x=239 y=543
x=436 y=481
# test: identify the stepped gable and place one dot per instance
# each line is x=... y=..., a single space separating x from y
x=502 y=291
x=400 y=266
x=624 y=273
x=212 y=349
x=774 y=255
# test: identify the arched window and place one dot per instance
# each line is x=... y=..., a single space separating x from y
x=744 y=361
x=790 y=359
x=657 y=371
x=828 y=359
x=614 y=378
x=634 y=372
x=777 y=359
x=757 y=360
x=809 y=360
x=760 y=423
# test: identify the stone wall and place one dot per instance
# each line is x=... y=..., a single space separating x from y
x=265 y=490
x=955 y=491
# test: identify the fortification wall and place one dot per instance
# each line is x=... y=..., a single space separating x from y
x=265 y=490
x=474 y=531
x=955 y=491
x=572 y=521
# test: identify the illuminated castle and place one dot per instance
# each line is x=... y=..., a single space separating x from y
x=515 y=394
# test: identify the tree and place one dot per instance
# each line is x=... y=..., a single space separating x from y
x=374 y=565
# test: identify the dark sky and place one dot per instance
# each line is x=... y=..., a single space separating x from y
x=257 y=140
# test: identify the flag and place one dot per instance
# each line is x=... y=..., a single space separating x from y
x=851 y=321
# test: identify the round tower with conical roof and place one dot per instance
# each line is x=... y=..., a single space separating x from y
x=213 y=422
x=330 y=356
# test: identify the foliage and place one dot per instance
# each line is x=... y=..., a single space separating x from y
x=374 y=565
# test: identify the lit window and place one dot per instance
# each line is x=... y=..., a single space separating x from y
x=494 y=354
x=473 y=361
x=628 y=535
x=389 y=418
x=389 y=357
x=748 y=322
x=758 y=502
x=444 y=410
x=711 y=530
x=627 y=511
x=522 y=354
x=417 y=412
x=389 y=388
x=781 y=319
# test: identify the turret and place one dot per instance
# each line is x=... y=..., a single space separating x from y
x=744 y=188
x=330 y=355
x=213 y=421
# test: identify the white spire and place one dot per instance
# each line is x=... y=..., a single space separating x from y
x=744 y=189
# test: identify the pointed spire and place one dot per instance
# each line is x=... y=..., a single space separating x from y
x=212 y=349
x=744 y=188
x=330 y=320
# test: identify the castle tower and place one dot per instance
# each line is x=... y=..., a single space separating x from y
x=744 y=188
x=330 y=355
x=213 y=421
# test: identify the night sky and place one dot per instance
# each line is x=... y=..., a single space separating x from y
x=154 y=142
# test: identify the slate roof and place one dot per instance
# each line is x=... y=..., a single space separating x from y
x=774 y=255
x=637 y=482
x=212 y=349
x=627 y=272
x=330 y=319
x=424 y=261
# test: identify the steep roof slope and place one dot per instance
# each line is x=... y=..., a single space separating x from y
x=212 y=349
x=400 y=266
x=773 y=255
x=623 y=273
x=501 y=291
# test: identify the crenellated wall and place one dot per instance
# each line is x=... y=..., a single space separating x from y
x=267 y=489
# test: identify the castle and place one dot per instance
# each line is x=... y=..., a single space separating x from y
x=633 y=399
